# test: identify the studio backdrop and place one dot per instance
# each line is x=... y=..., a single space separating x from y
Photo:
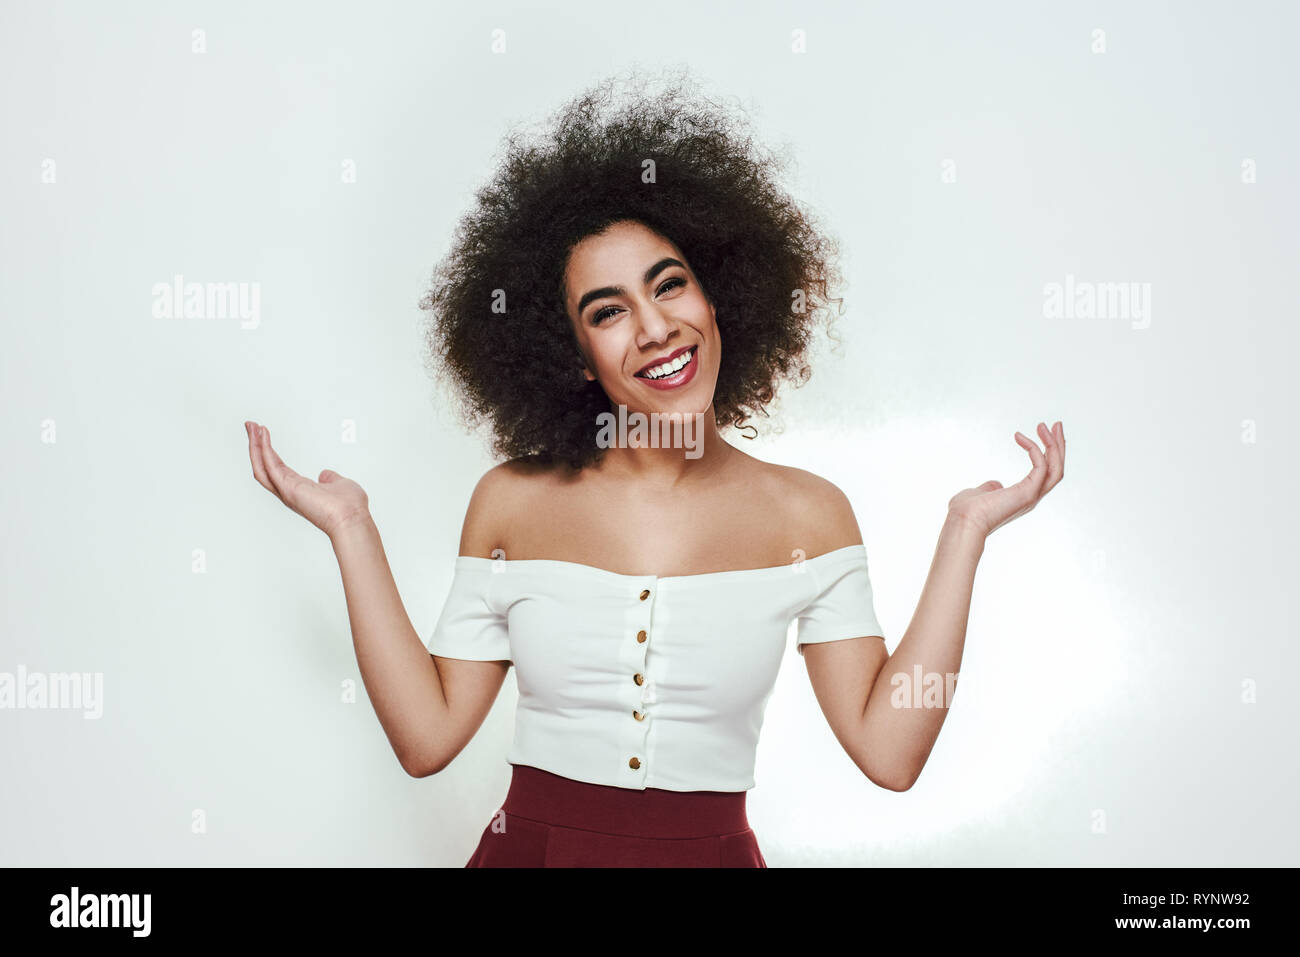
x=1044 y=212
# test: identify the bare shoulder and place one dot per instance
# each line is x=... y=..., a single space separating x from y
x=816 y=510
x=503 y=494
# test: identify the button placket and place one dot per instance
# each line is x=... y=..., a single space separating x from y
x=638 y=640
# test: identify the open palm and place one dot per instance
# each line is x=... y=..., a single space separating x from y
x=990 y=506
x=329 y=503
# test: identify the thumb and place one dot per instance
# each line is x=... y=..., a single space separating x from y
x=328 y=476
x=991 y=484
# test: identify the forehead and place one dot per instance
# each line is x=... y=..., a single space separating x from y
x=624 y=247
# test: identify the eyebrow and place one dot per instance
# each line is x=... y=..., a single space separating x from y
x=605 y=291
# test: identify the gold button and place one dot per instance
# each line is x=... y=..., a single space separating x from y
x=638 y=678
x=640 y=636
x=634 y=764
x=645 y=594
x=638 y=715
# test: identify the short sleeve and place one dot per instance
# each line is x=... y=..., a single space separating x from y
x=470 y=626
x=842 y=605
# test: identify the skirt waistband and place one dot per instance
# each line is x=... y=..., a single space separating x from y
x=650 y=812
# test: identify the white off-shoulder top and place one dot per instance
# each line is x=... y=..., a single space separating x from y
x=638 y=681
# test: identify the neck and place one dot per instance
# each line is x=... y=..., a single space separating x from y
x=692 y=452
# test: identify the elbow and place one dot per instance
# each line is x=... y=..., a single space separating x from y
x=413 y=769
x=890 y=774
x=892 y=781
x=892 y=785
x=421 y=766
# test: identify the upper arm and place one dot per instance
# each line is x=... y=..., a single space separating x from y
x=471 y=687
x=842 y=673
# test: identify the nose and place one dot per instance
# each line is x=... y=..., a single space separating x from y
x=654 y=325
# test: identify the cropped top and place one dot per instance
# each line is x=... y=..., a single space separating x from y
x=639 y=681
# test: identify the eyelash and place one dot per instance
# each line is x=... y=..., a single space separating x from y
x=601 y=314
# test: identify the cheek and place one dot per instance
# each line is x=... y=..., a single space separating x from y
x=609 y=358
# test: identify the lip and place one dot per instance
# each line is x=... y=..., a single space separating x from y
x=662 y=359
x=679 y=378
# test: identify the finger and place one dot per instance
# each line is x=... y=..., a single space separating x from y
x=255 y=455
x=1053 y=457
x=263 y=475
x=1035 y=454
x=284 y=478
x=1033 y=482
x=1060 y=432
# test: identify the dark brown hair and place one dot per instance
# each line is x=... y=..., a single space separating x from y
x=758 y=255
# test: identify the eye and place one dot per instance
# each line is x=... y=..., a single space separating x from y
x=603 y=314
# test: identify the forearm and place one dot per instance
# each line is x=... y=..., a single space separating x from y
x=903 y=715
x=399 y=675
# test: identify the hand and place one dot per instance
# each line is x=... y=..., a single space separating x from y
x=990 y=506
x=329 y=504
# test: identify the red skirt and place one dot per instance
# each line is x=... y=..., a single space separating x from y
x=552 y=821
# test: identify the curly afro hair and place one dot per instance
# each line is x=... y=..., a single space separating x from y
x=763 y=263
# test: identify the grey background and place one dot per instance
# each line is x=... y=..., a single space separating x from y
x=1103 y=717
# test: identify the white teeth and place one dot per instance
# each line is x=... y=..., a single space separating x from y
x=668 y=368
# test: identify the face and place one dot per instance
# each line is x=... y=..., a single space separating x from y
x=635 y=306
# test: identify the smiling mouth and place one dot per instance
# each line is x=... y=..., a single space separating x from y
x=667 y=369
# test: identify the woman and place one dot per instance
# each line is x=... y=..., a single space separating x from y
x=641 y=262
